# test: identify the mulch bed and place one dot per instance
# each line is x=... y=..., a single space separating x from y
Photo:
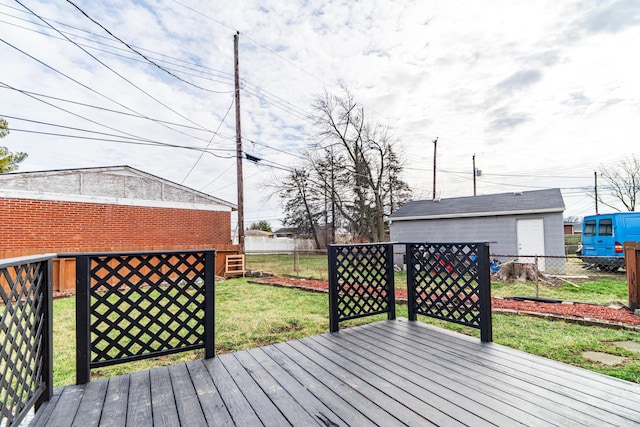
x=571 y=311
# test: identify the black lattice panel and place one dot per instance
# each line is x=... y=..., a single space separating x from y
x=360 y=281
x=24 y=342
x=445 y=280
x=145 y=305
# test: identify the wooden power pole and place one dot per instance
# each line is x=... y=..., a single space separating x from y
x=435 y=146
x=239 y=147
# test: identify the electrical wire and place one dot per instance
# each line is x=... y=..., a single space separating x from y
x=37 y=95
x=136 y=51
x=209 y=143
x=111 y=69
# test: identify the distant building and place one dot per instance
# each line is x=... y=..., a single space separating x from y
x=106 y=209
x=523 y=223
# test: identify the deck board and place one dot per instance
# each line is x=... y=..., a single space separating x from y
x=390 y=373
x=163 y=408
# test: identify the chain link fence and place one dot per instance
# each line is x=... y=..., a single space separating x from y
x=570 y=265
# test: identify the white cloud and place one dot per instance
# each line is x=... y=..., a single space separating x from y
x=540 y=90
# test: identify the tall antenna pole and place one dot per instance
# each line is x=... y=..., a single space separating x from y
x=435 y=146
x=474 y=174
x=239 y=147
x=595 y=188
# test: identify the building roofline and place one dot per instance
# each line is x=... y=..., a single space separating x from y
x=478 y=214
x=124 y=169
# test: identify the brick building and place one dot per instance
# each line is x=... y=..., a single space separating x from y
x=107 y=209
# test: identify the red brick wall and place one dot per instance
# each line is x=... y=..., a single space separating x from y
x=29 y=227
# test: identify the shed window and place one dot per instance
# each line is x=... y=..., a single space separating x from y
x=605 y=228
x=590 y=228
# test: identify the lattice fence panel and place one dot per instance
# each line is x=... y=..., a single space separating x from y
x=144 y=305
x=24 y=289
x=360 y=281
x=444 y=281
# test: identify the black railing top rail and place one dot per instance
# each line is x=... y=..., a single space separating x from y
x=134 y=253
x=10 y=262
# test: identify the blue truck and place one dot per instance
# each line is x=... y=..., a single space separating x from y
x=603 y=238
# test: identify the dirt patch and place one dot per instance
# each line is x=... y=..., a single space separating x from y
x=570 y=311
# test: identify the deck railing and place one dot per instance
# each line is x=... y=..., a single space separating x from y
x=26 y=377
x=136 y=305
x=360 y=282
x=448 y=281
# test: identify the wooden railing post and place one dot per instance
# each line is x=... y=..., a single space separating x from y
x=391 y=287
x=333 y=289
x=209 y=304
x=632 y=265
x=47 y=338
x=83 y=333
x=484 y=282
x=411 y=284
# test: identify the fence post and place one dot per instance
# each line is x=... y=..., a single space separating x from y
x=411 y=284
x=484 y=282
x=83 y=320
x=391 y=291
x=47 y=334
x=333 y=288
x=209 y=304
x=632 y=265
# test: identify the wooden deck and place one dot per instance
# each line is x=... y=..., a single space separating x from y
x=387 y=373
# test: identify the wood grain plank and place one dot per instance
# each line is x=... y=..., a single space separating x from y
x=307 y=389
x=91 y=405
x=187 y=402
x=163 y=401
x=263 y=407
x=44 y=412
x=139 y=413
x=336 y=390
x=116 y=402
x=213 y=408
x=492 y=391
x=374 y=390
x=295 y=413
x=589 y=402
x=236 y=403
x=433 y=407
x=67 y=406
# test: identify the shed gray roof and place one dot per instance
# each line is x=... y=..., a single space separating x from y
x=526 y=202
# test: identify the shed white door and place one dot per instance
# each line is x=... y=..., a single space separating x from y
x=531 y=240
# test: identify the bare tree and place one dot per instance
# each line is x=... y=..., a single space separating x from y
x=623 y=183
x=352 y=175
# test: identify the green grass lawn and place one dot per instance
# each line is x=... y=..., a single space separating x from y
x=250 y=315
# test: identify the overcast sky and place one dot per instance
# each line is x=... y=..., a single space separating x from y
x=544 y=93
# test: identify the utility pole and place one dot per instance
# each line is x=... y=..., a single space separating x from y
x=240 y=183
x=474 y=174
x=435 y=146
x=595 y=188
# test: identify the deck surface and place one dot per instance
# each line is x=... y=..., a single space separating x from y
x=388 y=373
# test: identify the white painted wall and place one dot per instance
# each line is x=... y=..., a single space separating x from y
x=262 y=244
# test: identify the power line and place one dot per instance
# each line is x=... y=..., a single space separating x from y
x=209 y=143
x=91 y=120
x=35 y=95
x=203 y=70
x=109 y=68
x=134 y=50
